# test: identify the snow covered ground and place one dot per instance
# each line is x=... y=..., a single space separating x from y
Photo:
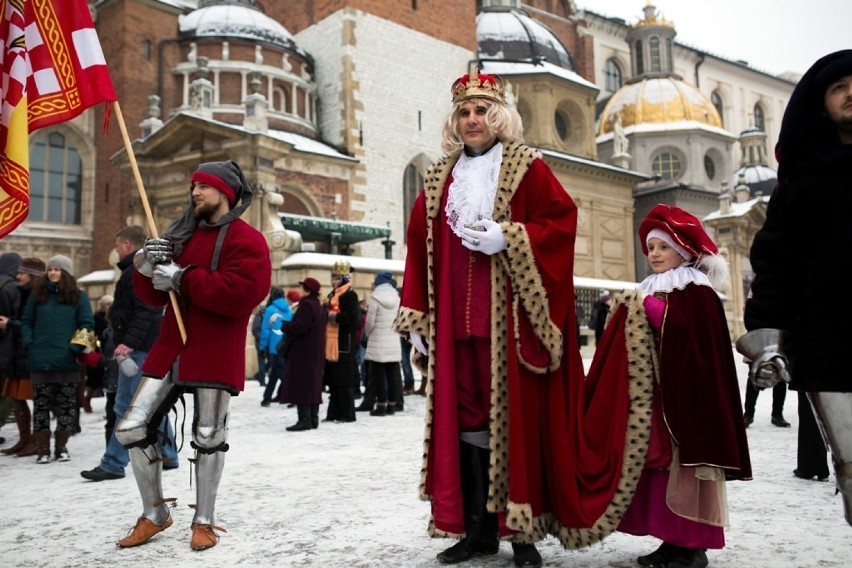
x=346 y=495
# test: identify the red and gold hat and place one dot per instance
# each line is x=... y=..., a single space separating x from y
x=478 y=85
x=684 y=229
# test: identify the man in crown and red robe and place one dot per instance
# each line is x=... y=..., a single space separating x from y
x=516 y=446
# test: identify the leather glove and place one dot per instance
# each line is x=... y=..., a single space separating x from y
x=152 y=253
x=419 y=343
x=767 y=360
x=485 y=236
x=167 y=276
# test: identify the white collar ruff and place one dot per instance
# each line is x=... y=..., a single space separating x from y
x=474 y=186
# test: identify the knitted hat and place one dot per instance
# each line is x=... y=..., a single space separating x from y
x=33 y=266
x=293 y=296
x=227 y=177
x=384 y=277
x=62 y=262
x=311 y=284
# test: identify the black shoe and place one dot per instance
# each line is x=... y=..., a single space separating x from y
x=265 y=402
x=689 y=558
x=780 y=422
x=660 y=557
x=526 y=555
x=299 y=427
x=99 y=474
x=748 y=419
x=378 y=411
x=465 y=550
x=802 y=475
x=364 y=408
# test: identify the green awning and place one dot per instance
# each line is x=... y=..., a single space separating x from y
x=346 y=232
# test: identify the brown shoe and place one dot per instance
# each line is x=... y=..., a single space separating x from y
x=143 y=531
x=204 y=537
x=30 y=449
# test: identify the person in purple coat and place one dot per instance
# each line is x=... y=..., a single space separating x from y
x=305 y=357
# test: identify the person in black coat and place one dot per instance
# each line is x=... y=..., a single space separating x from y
x=795 y=259
x=344 y=316
x=304 y=354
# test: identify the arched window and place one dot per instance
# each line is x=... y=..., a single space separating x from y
x=612 y=75
x=759 y=118
x=716 y=99
x=412 y=182
x=667 y=165
x=654 y=52
x=640 y=63
x=56 y=180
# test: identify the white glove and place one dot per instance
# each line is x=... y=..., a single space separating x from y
x=488 y=241
x=418 y=343
x=167 y=276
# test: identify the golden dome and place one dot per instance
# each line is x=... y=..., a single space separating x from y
x=658 y=101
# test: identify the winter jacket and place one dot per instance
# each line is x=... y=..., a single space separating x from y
x=134 y=323
x=47 y=329
x=383 y=344
x=10 y=299
x=273 y=318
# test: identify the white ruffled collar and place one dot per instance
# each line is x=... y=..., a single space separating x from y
x=474 y=186
x=676 y=278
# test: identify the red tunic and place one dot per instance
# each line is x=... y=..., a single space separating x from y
x=215 y=307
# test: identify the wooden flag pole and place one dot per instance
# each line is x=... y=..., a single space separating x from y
x=152 y=228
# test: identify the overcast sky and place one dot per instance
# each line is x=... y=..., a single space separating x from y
x=771 y=35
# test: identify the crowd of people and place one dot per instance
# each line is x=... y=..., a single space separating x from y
x=520 y=441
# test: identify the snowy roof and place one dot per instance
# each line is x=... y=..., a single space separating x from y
x=236 y=20
x=738 y=209
x=507 y=68
x=594 y=163
x=358 y=263
x=512 y=35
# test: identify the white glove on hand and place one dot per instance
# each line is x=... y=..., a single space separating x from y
x=490 y=241
x=167 y=277
x=418 y=343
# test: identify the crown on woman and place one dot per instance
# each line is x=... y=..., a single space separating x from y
x=478 y=85
x=341 y=267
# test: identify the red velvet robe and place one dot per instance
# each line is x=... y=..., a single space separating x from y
x=556 y=449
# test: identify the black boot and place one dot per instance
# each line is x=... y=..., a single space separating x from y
x=526 y=555
x=689 y=558
x=314 y=408
x=304 y=421
x=480 y=525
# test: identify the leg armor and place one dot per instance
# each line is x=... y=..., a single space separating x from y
x=833 y=411
x=210 y=440
x=137 y=432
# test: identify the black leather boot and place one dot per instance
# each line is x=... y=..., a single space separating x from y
x=526 y=555
x=689 y=558
x=314 y=408
x=480 y=525
x=304 y=421
x=660 y=557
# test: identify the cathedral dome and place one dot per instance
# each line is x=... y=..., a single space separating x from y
x=234 y=19
x=661 y=100
x=512 y=36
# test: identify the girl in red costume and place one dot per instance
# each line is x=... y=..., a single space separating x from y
x=697 y=439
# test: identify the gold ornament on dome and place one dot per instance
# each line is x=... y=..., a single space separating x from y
x=658 y=101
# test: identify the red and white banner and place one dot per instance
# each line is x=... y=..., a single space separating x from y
x=53 y=69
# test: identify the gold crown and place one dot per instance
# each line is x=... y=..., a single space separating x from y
x=341 y=267
x=86 y=338
x=474 y=85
